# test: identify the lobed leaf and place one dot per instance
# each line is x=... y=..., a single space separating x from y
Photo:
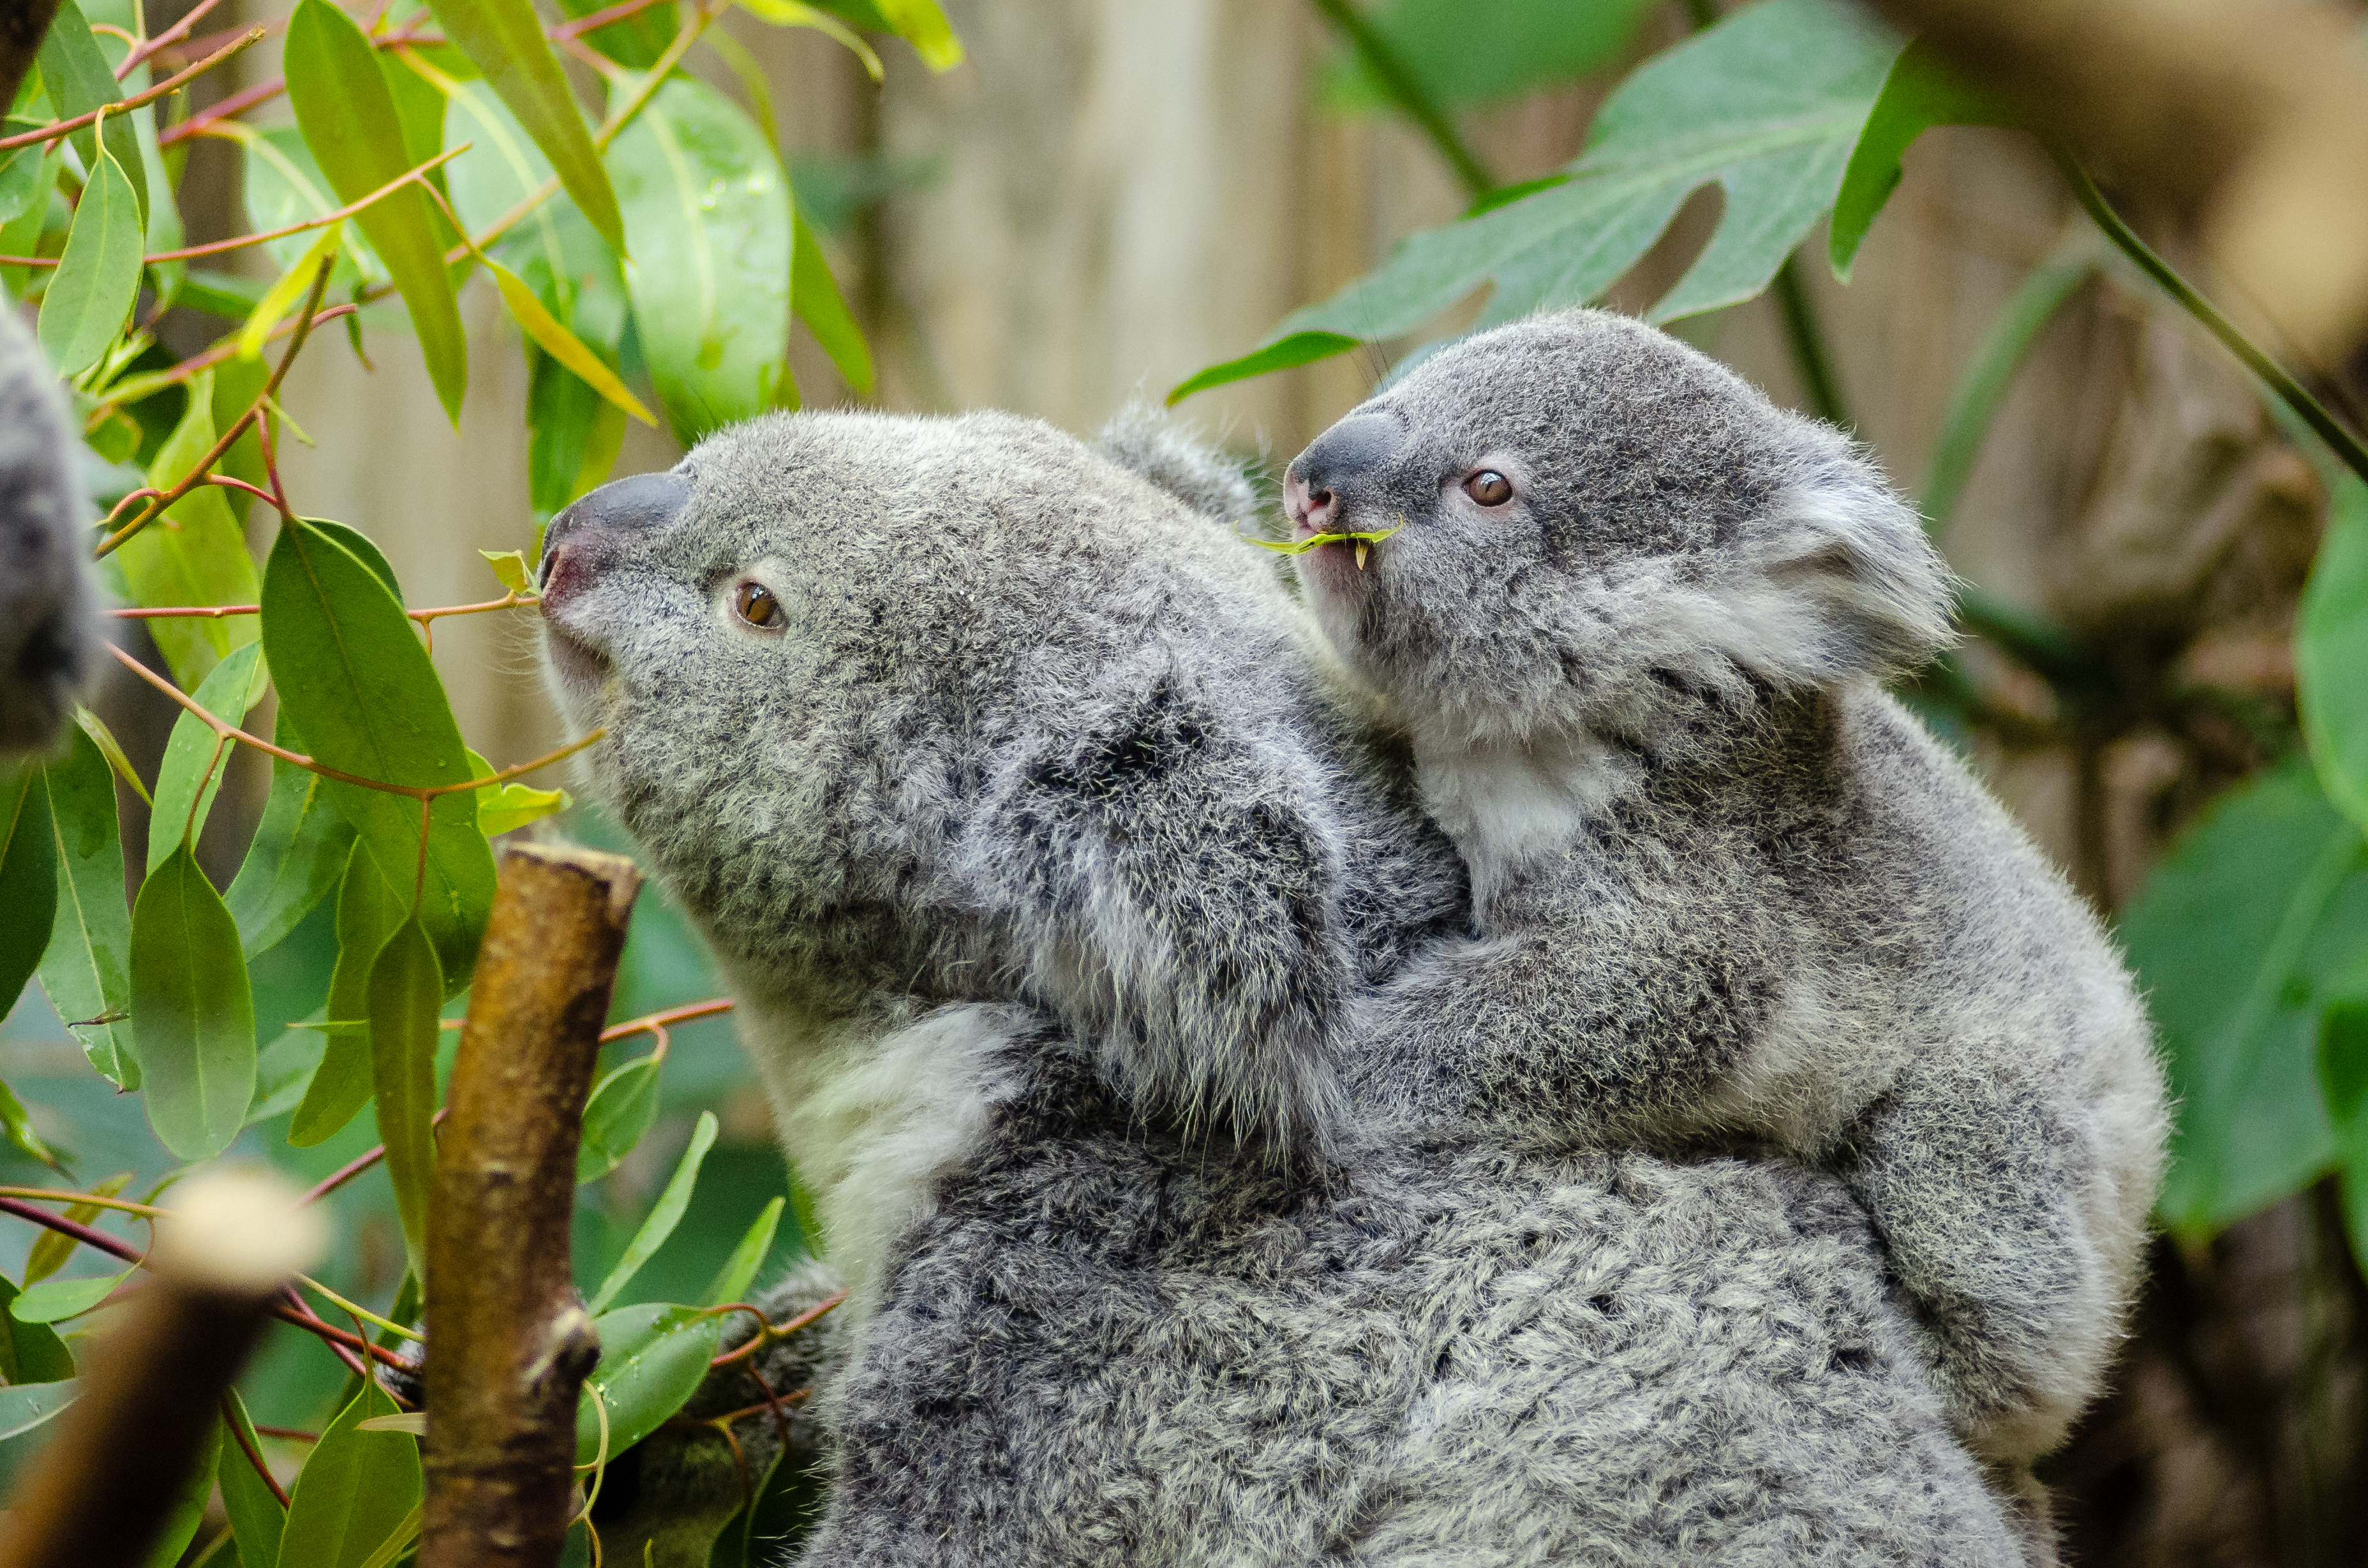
x=707 y=215
x=300 y=850
x=192 y=1011
x=91 y=293
x=2331 y=651
x=1922 y=92
x=504 y=39
x=86 y=968
x=347 y=115
x=653 y=1358
x=28 y=878
x=357 y=1490
x=195 y=757
x=406 y=991
x=664 y=1215
x=367 y=913
x=357 y=682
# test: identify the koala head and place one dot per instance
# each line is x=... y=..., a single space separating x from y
x=1595 y=519
x=50 y=631
x=956 y=709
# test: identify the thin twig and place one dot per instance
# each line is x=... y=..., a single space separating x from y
x=168 y=38
x=254 y=1455
x=171 y=83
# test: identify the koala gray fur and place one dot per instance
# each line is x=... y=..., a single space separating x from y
x=50 y=633
x=1050 y=863
x=1728 y=888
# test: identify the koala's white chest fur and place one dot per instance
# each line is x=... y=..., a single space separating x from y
x=873 y=1110
x=1508 y=807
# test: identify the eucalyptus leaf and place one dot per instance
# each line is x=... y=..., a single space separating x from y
x=284 y=1070
x=31 y=1353
x=353 y=676
x=192 y=1011
x=298 y=851
x=731 y=1281
x=357 y=1490
x=54 y=1300
x=406 y=991
x=52 y=1250
x=503 y=39
x=24 y=1406
x=78 y=79
x=187 y=1510
x=28 y=878
x=195 y=554
x=91 y=293
x=367 y=913
x=653 y=1358
x=347 y=115
x=195 y=757
x=708 y=218
x=85 y=971
x=17 y=1123
x=663 y=1216
x=1461 y=53
x=623 y=1106
x=815 y=299
x=257 y=1517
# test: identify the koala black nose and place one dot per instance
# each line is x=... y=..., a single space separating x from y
x=641 y=504
x=1354 y=447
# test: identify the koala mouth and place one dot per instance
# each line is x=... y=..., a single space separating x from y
x=578 y=665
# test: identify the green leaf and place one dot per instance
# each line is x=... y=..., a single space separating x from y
x=618 y=1117
x=509 y=568
x=86 y=968
x=91 y=292
x=504 y=39
x=354 y=677
x=1767 y=105
x=1976 y=399
x=288 y=291
x=664 y=1215
x=55 y=1300
x=636 y=41
x=52 y=1250
x=17 y=1124
x=190 y=1010
x=731 y=1279
x=28 y=878
x=191 y=774
x=367 y=913
x=30 y=1352
x=815 y=299
x=195 y=554
x=188 y=1507
x=1920 y=92
x=573 y=437
x=561 y=344
x=347 y=115
x=300 y=850
x=406 y=991
x=651 y=1358
x=20 y=174
x=78 y=79
x=707 y=214
x=355 y=1491
x=24 y=1406
x=2331 y=651
x=284 y=1070
x=919 y=22
x=256 y=1518
x=2236 y=929
x=1461 y=53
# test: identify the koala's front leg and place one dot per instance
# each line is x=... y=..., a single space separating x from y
x=1974 y=1183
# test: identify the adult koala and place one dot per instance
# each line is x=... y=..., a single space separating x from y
x=1047 y=862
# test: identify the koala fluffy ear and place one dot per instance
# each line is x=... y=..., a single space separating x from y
x=1171 y=881
x=1165 y=451
x=1841 y=544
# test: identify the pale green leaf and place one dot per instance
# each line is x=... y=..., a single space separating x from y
x=195 y=554
x=357 y=1490
x=664 y=1215
x=191 y=774
x=731 y=1279
x=504 y=39
x=300 y=850
x=192 y=1011
x=24 y=1406
x=55 y=1300
x=85 y=971
x=91 y=293
x=618 y=1116
x=1922 y=92
x=29 y=876
x=406 y=991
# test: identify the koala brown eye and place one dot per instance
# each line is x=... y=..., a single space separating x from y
x=1489 y=488
x=756 y=606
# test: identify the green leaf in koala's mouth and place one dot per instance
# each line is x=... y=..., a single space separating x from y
x=1302 y=546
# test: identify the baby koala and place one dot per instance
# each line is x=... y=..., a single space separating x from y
x=1634 y=621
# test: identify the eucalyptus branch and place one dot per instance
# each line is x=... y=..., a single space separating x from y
x=169 y=37
x=170 y=84
x=513 y=600
x=1408 y=92
x=131 y=389
x=237 y=1430
x=2345 y=444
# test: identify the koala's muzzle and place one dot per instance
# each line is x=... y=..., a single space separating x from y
x=1355 y=449
x=587 y=536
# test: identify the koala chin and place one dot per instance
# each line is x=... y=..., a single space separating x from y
x=1056 y=869
x=1636 y=621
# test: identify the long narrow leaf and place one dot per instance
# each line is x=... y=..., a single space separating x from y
x=504 y=39
x=298 y=851
x=367 y=913
x=2331 y=651
x=91 y=293
x=192 y=1011
x=28 y=878
x=78 y=79
x=356 y=1490
x=561 y=344
x=405 y=992
x=731 y=1280
x=815 y=299
x=256 y=1518
x=195 y=758
x=664 y=1215
x=195 y=554
x=283 y=294
x=86 y=969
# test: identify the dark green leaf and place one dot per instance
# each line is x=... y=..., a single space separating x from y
x=190 y=1010
x=707 y=215
x=1462 y=53
x=191 y=774
x=354 y=677
x=188 y=1507
x=78 y=79
x=85 y=971
x=1922 y=92
x=816 y=299
x=651 y=1358
x=28 y=878
x=195 y=554
x=22 y=168
x=257 y=1519
x=91 y=292
x=731 y=1281
x=617 y=1117
x=2331 y=651
x=347 y=115
x=367 y=913
x=1767 y=105
x=300 y=850
x=29 y=1352
x=355 y=1489
x=24 y=1406
x=406 y=990
x=19 y=1125
x=503 y=39
x=664 y=1215
x=284 y=1070
x=55 y=1300
x=2253 y=907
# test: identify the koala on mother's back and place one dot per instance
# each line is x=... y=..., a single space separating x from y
x=1049 y=865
